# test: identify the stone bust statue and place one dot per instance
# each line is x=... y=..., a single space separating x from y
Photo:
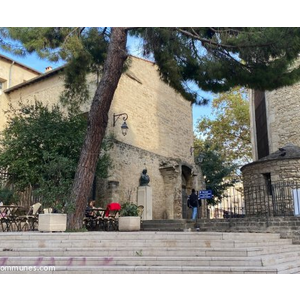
x=144 y=179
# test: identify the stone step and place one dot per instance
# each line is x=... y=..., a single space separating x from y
x=289 y=255
x=150 y=260
x=274 y=250
x=129 y=261
x=140 y=270
x=207 y=243
x=150 y=252
x=124 y=251
x=284 y=264
x=103 y=235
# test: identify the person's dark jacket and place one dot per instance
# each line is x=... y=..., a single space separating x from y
x=192 y=200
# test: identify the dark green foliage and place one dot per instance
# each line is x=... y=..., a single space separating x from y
x=217 y=59
x=88 y=57
x=41 y=148
x=129 y=209
x=211 y=58
x=7 y=196
x=218 y=173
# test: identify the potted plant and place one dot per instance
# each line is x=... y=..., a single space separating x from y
x=129 y=219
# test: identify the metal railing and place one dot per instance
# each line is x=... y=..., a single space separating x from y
x=231 y=206
x=275 y=199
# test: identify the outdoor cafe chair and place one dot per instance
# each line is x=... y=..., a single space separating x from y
x=30 y=220
x=8 y=217
x=111 y=216
x=94 y=219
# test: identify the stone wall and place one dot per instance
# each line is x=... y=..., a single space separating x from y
x=159 y=119
x=268 y=186
x=283 y=112
x=11 y=74
x=287 y=227
x=165 y=179
x=280 y=170
x=283 y=117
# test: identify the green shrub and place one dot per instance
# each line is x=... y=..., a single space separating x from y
x=129 y=209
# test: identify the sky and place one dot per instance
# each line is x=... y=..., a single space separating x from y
x=134 y=47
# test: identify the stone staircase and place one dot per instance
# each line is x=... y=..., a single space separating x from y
x=147 y=252
x=286 y=226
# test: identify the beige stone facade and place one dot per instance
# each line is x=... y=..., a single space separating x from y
x=270 y=180
x=282 y=116
x=12 y=73
x=159 y=137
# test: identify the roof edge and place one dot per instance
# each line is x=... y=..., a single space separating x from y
x=20 y=64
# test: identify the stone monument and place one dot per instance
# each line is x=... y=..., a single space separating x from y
x=145 y=195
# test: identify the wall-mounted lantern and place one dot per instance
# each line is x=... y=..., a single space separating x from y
x=124 y=126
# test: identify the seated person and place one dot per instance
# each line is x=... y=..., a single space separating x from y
x=89 y=209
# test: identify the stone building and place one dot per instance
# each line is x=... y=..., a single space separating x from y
x=269 y=182
x=159 y=138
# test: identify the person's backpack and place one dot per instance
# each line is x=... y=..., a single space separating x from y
x=192 y=200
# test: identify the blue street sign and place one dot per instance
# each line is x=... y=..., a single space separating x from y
x=205 y=194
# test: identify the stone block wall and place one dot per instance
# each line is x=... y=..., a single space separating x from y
x=287 y=227
x=11 y=74
x=280 y=170
x=159 y=119
x=268 y=186
x=283 y=113
x=165 y=180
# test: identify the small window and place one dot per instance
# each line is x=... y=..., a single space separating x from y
x=1 y=85
x=268 y=182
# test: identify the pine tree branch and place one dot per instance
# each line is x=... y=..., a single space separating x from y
x=205 y=41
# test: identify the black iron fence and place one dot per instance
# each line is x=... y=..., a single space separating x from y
x=274 y=199
x=231 y=206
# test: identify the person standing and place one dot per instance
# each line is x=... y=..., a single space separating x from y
x=193 y=203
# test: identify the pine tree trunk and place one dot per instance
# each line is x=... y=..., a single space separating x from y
x=97 y=123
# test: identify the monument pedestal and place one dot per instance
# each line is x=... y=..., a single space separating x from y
x=145 y=199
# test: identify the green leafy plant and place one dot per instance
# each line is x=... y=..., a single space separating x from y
x=39 y=149
x=129 y=209
x=7 y=196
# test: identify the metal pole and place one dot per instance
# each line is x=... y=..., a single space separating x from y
x=197 y=224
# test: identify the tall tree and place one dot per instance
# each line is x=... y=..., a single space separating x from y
x=215 y=59
x=219 y=173
x=228 y=128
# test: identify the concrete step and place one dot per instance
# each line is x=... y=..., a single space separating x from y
x=139 y=270
x=129 y=261
x=286 y=265
x=149 y=252
x=131 y=251
x=140 y=259
x=205 y=243
x=103 y=235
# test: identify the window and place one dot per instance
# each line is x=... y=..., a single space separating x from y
x=268 y=182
